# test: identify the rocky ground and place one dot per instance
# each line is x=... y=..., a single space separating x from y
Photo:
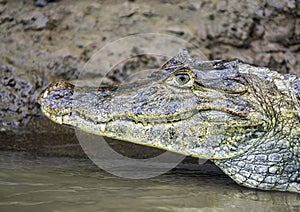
x=40 y=43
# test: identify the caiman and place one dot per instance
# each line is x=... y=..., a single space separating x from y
x=243 y=118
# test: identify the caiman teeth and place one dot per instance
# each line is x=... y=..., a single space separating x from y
x=59 y=119
x=56 y=119
x=102 y=127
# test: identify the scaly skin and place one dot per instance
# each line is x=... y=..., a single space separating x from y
x=243 y=118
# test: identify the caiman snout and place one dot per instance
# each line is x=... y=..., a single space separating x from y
x=55 y=99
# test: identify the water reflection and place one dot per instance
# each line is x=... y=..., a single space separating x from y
x=53 y=184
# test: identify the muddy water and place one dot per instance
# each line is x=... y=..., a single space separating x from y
x=56 y=184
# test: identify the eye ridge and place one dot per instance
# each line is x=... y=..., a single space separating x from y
x=182 y=78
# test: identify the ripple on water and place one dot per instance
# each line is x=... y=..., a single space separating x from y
x=51 y=184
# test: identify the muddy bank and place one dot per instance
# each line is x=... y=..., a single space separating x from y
x=43 y=44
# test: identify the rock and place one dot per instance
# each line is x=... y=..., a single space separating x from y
x=2 y=8
x=279 y=28
x=33 y=21
x=65 y=64
x=182 y=32
x=40 y=3
x=18 y=94
x=284 y=5
x=39 y=23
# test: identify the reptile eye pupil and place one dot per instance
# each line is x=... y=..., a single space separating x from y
x=182 y=78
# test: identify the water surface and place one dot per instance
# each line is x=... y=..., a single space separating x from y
x=60 y=184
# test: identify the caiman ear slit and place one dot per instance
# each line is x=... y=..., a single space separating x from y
x=199 y=84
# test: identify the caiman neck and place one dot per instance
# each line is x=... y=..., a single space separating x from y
x=273 y=164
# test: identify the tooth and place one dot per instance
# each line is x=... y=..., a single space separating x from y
x=145 y=123
x=102 y=127
x=59 y=119
x=45 y=95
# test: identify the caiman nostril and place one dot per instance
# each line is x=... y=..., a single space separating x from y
x=56 y=98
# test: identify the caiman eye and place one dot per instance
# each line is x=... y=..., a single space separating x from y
x=182 y=79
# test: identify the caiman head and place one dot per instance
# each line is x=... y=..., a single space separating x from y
x=243 y=118
x=208 y=109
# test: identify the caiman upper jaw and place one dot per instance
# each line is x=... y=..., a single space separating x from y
x=55 y=100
